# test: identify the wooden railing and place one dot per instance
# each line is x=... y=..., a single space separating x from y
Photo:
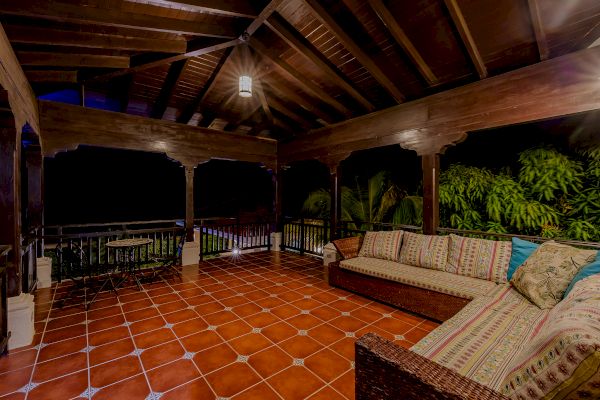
x=229 y=235
x=305 y=235
x=92 y=239
x=356 y=228
x=4 y=335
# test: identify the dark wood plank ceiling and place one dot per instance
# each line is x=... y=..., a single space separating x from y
x=314 y=62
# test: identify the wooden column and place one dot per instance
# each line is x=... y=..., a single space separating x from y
x=10 y=184
x=431 y=200
x=276 y=181
x=34 y=162
x=189 y=203
x=335 y=212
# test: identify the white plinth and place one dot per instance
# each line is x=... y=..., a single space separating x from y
x=20 y=320
x=191 y=253
x=276 y=240
x=44 y=272
x=330 y=254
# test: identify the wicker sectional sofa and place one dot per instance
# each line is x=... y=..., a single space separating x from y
x=494 y=343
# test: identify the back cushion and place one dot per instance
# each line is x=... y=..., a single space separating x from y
x=384 y=245
x=521 y=250
x=562 y=359
x=427 y=251
x=479 y=258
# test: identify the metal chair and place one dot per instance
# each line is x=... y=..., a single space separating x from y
x=74 y=266
x=168 y=263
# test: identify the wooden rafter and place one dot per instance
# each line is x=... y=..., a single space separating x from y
x=465 y=34
x=75 y=12
x=56 y=76
x=263 y=100
x=161 y=102
x=71 y=60
x=189 y=111
x=56 y=37
x=307 y=104
x=284 y=110
x=538 y=29
x=403 y=41
x=304 y=47
x=237 y=8
x=306 y=84
x=329 y=21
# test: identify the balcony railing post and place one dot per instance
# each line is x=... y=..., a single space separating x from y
x=302 y=233
x=201 y=240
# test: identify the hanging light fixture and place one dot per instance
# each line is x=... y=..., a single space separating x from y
x=245 y=87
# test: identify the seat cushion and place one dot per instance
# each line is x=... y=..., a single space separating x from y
x=562 y=359
x=382 y=244
x=440 y=281
x=479 y=258
x=546 y=274
x=483 y=339
x=427 y=251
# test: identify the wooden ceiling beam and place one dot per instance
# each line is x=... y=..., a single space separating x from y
x=303 y=46
x=285 y=110
x=51 y=76
x=380 y=76
x=263 y=100
x=76 y=12
x=166 y=91
x=306 y=84
x=403 y=41
x=307 y=104
x=230 y=8
x=465 y=34
x=49 y=59
x=55 y=37
x=538 y=29
x=189 y=111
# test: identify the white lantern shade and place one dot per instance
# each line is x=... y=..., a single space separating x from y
x=245 y=86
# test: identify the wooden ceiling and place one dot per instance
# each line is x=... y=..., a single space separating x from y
x=314 y=62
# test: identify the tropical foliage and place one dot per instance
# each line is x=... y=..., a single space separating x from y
x=377 y=200
x=552 y=195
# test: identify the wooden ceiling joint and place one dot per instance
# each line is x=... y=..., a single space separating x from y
x=230 y=8
x=51 y=59
x=51 y=76
x=304 y=47
x=538 y=29
x=467 y=39
x=403 y=41
x=340 y=33
x=166 y=91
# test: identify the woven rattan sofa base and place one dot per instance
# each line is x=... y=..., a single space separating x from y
x=431 y=304
x=385 y=371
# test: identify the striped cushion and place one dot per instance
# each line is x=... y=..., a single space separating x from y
x=383 y=244
x=426 y=251
x=455 y=285
x=479 y=258
x=562 y=360
x=482 y=341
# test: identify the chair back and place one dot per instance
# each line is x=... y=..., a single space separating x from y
x=73 y=260
x=179 y=252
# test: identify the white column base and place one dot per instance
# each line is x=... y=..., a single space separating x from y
x=191 y=253
x=44 y=272
x=330 y=254
x=276 y=241
x=20 y=320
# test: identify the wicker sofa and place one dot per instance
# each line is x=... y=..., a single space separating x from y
x=493 y=344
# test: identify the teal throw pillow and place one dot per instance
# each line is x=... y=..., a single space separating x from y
x=588 y=270
x=521 y=250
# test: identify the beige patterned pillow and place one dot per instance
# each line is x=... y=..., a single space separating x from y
x=427 y=251
x=383 y=244
x=479 y=258
x=546 y=274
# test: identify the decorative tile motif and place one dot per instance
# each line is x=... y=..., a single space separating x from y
x=387 y=315
x=298 y=362
x=126 y=323
x=212 y=328
x=279 y=284
x=168 y=326
x=89 y=392
x=40 y=346
x=345 y=314
x=265 y=310
x=256 y=330
x=87 y=349
x=350 y=334
x=302 y=332
x=136 y=352
x=307 y=296
x=28 y=387
x=305 y=312
x=242 y=359
x=154 y=396
x=228 y=308
x=352 y=365
x=399 y=337
x=188 y=355
x=272 y=295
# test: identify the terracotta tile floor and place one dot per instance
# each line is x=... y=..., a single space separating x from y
x=262 y=326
